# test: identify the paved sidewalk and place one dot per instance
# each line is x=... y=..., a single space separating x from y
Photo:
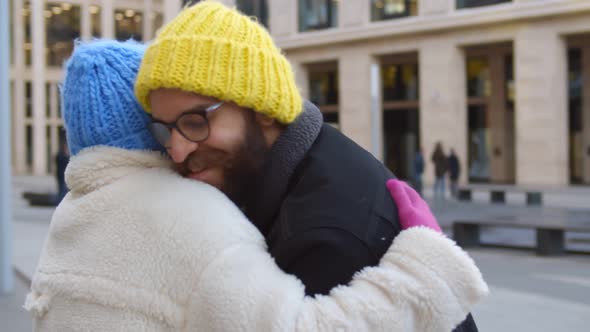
x=13 y=318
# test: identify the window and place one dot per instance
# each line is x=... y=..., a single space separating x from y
x=478 y=3
x=29 y=146
x=257 y=8
x=128 y=24
x=389 y=9
x=28 y=99
x=28 y=43
x=576 y=128
x=400 y=82
x=478 y=77
x=189 y=3
x=317 y=14
x=323 y=89
x=62 y=23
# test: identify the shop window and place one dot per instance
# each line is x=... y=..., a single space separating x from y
x=62 y=25
x=400 y=82
x=255 y=8
x=128 y=24
x=391 y=9
x=317 y=14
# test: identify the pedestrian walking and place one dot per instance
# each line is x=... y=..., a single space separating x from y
x=440 y=170
x=454 y=172
x=418 y=171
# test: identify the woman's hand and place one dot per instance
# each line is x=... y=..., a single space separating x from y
x=412 y=209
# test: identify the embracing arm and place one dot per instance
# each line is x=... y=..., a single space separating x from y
x=424 y=282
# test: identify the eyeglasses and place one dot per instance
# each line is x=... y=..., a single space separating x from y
x=192 y=125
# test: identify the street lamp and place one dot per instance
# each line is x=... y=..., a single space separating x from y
x=6 y=277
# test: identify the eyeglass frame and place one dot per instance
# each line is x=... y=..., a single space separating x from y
x=173 y=125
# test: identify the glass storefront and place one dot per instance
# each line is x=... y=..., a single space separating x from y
x=401 y=125
x=62 y=26
x=490 y=115
x=400 y=82
x=323 y=90
x=478 y=77
x=577 y=153
x=478 y=143
x=390 y=9
x=128 y=24
x=401 y=140
x=317 y=14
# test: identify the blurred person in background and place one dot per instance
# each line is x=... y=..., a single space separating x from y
x=418 y=171
x=454 y=172
x=440 y=162
x=62 y=159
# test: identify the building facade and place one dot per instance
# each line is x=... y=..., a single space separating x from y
x=506 y=84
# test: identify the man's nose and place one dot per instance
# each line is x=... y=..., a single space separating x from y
x=179 y=147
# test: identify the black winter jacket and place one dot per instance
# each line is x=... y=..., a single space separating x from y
x=323 y=206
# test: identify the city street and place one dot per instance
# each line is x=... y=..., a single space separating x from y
x=528 y=293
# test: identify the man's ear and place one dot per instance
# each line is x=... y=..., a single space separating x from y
x=265 y=120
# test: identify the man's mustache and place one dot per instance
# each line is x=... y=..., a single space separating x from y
x=198 y=161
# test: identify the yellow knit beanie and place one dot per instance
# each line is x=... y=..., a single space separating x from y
x=218 y=52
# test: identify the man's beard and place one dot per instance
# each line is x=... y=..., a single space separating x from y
x=241 y=168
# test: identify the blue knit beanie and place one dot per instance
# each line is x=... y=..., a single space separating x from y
x=98 y=102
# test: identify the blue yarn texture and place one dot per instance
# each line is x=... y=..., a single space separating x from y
x=98 y=102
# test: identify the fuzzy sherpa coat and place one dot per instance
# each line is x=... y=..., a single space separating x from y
x=135 y=247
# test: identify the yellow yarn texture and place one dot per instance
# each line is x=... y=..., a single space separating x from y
x=215 y=51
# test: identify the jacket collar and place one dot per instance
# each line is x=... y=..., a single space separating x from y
x=286 y=154
x=99 y=166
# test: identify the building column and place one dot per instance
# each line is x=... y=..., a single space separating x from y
x=354 y=86
x=18 y=96
x=354 y=13
x=443 y=103
x=148 y=21
x=586 y=114
x=541 y=107
x=38 y=84
x=85 y=21
x=171 y=9
x=107 y=18
x=376 y=109
x=282 y=20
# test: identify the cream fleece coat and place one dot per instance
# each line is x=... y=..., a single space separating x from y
x=135 y=247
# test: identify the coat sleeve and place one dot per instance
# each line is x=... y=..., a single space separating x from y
x=423 y=283
x=427 y=287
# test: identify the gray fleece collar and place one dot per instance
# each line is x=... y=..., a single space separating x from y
x=286 y=154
